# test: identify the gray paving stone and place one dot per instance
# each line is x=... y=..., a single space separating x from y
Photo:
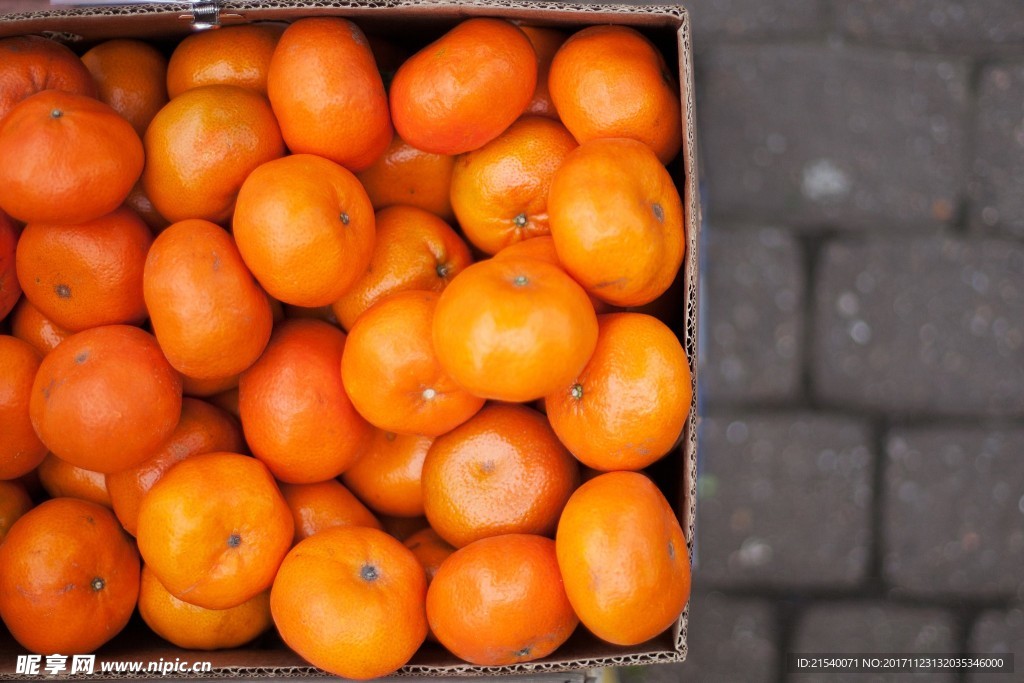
x=874 y=628
x=715 y=20
x=953 y=510
x=974 y=26
x=784 y=500
x=813 y=135
x=921 y=325
x=998 y=632
x=754 y=291
x=998 y=164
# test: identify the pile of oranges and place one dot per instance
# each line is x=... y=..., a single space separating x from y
x=310 y=332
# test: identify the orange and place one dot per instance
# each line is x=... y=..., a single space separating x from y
x=349 y=600
x=138 y=201
x=202 y=428
x=543 y=248
x=327 y=93
x=305 y=228
x=231 y=55
x=10 y=288
x=201 y=146
x=623 y=558
x=14 y=502
x=500 y=191
x=414 y=249
x=69 y=577
x=610 y=82
x=628 y=406
x=29 y=325
x=61 y=479
x=66 y=158
x=131 y=76
x=197 y=628
x=392 y=374
x=501 y=472
x=461 y=91
x=209 y=314
x=214 y=529
x=617 y=221
x=430 y=549
x=500 y=601
x=105 y=398
x=388 y=473
x=513 y=329
x=296 y=415
x=20 y=449
x=204 y=388
x=82 y=275
x=410 y=176
x=324 y=505
x=29 y=64
x=546 y=42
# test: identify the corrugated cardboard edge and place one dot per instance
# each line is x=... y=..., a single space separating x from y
x=71 y=24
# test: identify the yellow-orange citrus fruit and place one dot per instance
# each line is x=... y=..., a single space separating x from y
x=61 y=479
x=411 y=177
x=232 y=55
x=387 y=475
x=131 y=76
x=323 y=505
x=20 y=449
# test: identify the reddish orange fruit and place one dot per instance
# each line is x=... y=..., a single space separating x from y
x=131 y=76
x=14 y=502
x=546 y=42
x=323 y=505
x=513 y=329
x=31 y=326
x=29 y=64
x=611 y=82
x=10 y=288
x=623 y=558
x=66 y=158
x=105 y=398
x=69 y=577
x=231 y=55
x=327 y=93
x=500 y=191
x=501 y=472
x=407 y=176
x=350 y=600
x=617 y=221
x=86 y=274
x=20 y=449
x=61 y=479
x=500 y=601
x=387 y=475
x=461 y=91
x=204 y=388
x=214 y=529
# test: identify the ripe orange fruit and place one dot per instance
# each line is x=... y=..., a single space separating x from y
x=546 y=42
x=202 y=428
x=500 y=601
x=610 y=82
x=513 y=329
x=409 y=176
x=209 y=314
x=323 y=505
x=204 y=388
x=623 y=558
x=29 y=325
x=29 y=64
x=629 y=404
x=617 y=221
x=69 y=577
x=414 y=249
x=296 y=415
x=350 y=601
x=131 y=76
x=61 y=479
x=214 y=529
x=82 y=275
x=66 y=158
x=430 y=549
x=10 y=288
x=232 y=55
x=105 y=398
x=387 y=475
x=305 y=228
x=500 y=191
x=14 y=502
x=461 y=91
x=327 y=93
x=20 y=449
x=201 y=146
x=392 y=374
x=501 y=472
x=197 y=628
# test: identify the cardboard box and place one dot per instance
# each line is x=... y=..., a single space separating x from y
x=417 y=21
